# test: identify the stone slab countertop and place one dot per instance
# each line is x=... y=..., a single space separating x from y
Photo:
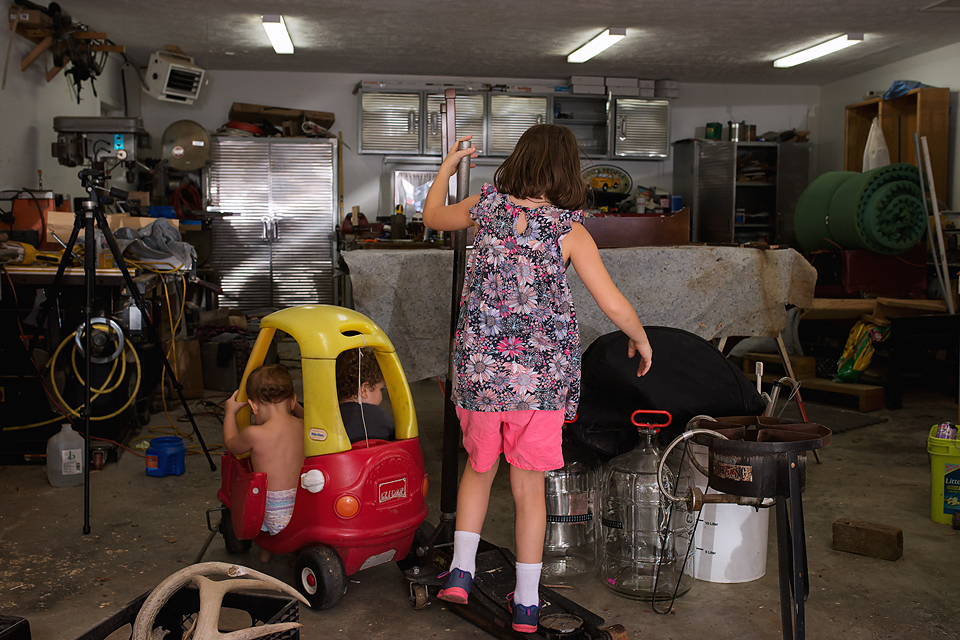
x=712 y=292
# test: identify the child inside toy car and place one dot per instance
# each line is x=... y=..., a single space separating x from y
x=357 y=504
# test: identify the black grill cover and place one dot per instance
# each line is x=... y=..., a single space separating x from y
x=689 y=377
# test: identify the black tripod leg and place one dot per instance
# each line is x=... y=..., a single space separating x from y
x=798 y=547
x=90 y=278
x=154 y=336
x=783 y=563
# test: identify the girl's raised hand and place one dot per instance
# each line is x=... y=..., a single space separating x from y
x=456 y=154
x=646 y=355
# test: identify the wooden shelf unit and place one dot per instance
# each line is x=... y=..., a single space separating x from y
x=925 y=111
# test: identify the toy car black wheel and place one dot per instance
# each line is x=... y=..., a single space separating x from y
x=604 y=186
x=321 y=577
x=233 y=544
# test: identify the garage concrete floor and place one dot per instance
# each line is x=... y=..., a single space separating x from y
x=144 y=529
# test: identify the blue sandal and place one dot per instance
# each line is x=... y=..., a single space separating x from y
x=457 y=586
x=525 y=619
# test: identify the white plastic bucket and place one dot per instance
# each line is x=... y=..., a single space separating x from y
x=730 y=540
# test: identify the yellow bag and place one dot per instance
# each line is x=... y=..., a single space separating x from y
x=858 y=351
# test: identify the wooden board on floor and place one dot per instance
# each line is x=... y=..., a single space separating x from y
x=869 y=397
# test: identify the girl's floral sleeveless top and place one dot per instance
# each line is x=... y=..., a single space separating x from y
x=517 y=343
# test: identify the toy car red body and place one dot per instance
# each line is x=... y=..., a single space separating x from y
x=358 y=505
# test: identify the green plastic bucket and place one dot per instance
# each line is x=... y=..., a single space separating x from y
x=944 y=477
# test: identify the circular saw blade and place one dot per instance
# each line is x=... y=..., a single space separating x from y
x=186 y=145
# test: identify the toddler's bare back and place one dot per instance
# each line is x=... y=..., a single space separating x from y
x=279 y=451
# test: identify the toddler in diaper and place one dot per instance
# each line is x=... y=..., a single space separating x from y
x=274 y=440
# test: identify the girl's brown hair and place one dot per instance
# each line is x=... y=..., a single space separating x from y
x=270 y=384
x=347 y=383
x=545 y=163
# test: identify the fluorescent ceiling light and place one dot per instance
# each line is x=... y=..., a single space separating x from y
x=598 y=44
x=831 y=46
x=277 y=32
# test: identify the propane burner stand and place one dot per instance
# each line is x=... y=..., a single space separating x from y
x=766 y=458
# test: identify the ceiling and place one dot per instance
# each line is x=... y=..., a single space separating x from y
x=695 y=41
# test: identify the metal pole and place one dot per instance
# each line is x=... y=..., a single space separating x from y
x=451 y=424
x=941 y=277
x=947 y=292
x=90 y=273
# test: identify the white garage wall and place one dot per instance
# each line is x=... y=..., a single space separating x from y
x=938 y=68
x=769 y=107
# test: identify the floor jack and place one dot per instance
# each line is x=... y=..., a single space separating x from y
x=495 y=577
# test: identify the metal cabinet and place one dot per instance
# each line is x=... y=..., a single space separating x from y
x=589 y=119
x=641 y=128
x=390 y=122
x=470 y=113
x=277 y=246
x=510 y=116
x=741 y=192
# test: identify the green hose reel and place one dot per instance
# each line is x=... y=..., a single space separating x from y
x=881 y=210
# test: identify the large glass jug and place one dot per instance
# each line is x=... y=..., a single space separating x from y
x=645 y=541
x=569 y=546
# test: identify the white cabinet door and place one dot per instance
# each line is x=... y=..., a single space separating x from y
x=510 y=116
x=641 y=128
x=390 y=123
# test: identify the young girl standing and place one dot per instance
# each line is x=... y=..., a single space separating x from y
x=517 y=351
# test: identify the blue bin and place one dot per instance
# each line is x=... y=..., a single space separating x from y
x=166 y=456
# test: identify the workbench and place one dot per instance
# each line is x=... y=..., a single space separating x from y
x=713 y=292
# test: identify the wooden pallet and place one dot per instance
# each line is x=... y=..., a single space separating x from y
x=869 y=397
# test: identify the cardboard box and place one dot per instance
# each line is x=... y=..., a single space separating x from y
x=29 y=18
x=622 y=82
x=647 y=93
x=61 y=223
x=647 y=84
x=666 y=93
x=254 y=113
x=624 y=91
x=589 y=88
x=189 y=369
x=223 y=318
x=594 y=80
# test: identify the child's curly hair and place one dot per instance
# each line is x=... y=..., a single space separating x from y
x=347 y=383
x=270 y=384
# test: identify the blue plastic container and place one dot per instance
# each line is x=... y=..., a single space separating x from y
x=166 y=456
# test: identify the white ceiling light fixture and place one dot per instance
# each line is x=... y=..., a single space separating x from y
x=826 y=48
x=602 y=42
x=277 y=32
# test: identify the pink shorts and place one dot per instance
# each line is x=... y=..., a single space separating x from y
x=528 y=439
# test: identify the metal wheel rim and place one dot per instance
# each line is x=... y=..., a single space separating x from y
x=305 y=575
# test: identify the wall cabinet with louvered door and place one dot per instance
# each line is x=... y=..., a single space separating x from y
x=510 y=116
x=469 y=117
x=641 y=128
x=390 y=122
x=276 y=248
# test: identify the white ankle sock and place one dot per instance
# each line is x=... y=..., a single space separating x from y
x=465 y=545
x=527 y=592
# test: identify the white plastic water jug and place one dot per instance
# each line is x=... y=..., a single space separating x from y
x=65 y=458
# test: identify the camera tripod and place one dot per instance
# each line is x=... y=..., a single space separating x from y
x=92 y=215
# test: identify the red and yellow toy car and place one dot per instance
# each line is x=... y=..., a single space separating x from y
x=358 y=505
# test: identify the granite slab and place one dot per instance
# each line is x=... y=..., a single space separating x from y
x=712 y=292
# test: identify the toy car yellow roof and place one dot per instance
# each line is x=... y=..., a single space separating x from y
x=321 y=332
